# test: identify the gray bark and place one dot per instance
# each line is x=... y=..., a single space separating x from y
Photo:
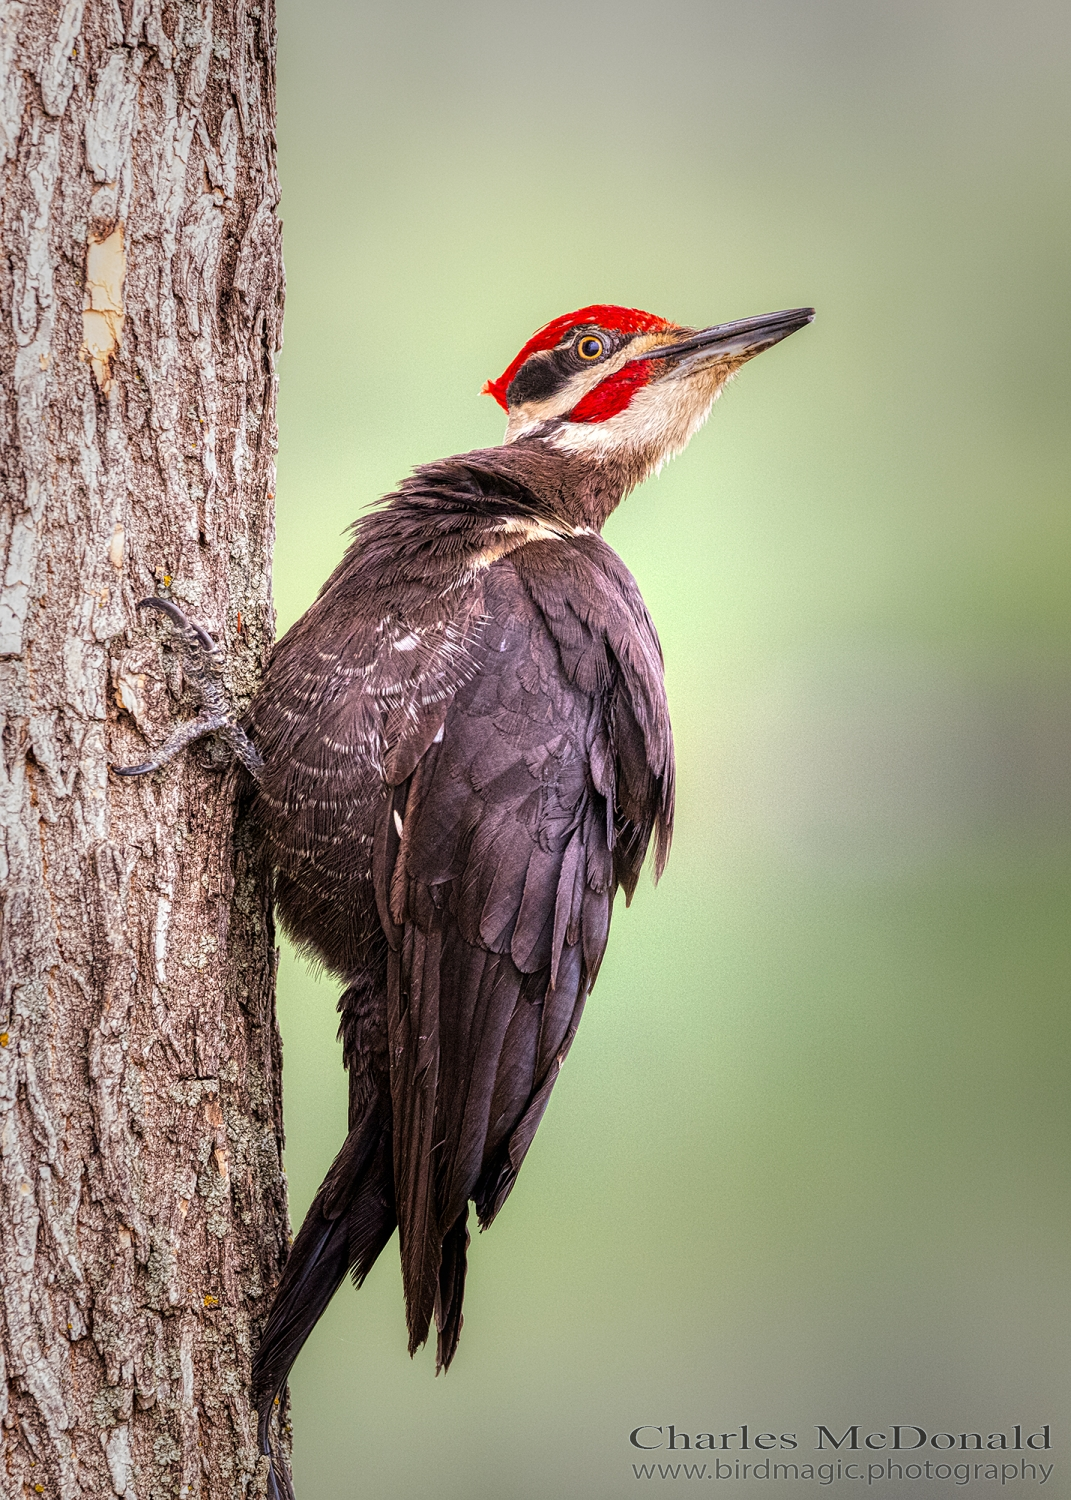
x=142 y=1204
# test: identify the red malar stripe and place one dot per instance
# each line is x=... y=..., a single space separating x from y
x=612 y=395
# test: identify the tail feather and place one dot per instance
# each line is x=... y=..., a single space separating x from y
x=451 y=1292
x=279 y=1486
x=351 y=1218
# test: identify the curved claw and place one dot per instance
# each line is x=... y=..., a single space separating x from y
x=205 y=665
x=141 y=770
x=181 y=736
x=182 y=620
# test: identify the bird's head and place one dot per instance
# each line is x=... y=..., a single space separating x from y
x=622 y=386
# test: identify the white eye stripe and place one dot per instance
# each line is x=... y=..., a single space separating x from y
x=531 y=413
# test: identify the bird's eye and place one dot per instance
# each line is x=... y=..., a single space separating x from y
x=590 y=347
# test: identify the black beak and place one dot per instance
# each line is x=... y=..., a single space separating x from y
x=737 y=341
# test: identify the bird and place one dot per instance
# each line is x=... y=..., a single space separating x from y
x=460 y=754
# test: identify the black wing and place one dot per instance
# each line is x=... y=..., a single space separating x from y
x=495 y=869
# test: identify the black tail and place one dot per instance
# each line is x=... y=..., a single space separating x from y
x=352 y=1217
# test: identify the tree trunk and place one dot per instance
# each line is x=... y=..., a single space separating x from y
x=142 y=1203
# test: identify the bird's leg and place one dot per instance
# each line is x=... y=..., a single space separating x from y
x=203 y=661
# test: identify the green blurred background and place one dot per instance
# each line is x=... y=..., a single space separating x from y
x=807 y=1162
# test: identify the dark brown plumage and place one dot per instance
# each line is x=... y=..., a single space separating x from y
x=463 y=761
x=466 y=752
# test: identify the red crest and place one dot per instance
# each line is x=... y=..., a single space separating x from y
x=599 y=315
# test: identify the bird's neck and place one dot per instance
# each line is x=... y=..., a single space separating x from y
x=575 y=489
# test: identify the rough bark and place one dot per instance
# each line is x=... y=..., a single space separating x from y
x=142 y=1203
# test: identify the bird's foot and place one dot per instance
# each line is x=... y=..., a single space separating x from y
x=203 y=661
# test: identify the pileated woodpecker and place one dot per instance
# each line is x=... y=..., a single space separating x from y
x=461 y=752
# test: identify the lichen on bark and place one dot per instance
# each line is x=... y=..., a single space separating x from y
x=142 y=1202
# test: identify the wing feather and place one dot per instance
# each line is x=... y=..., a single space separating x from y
x=495 y=868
